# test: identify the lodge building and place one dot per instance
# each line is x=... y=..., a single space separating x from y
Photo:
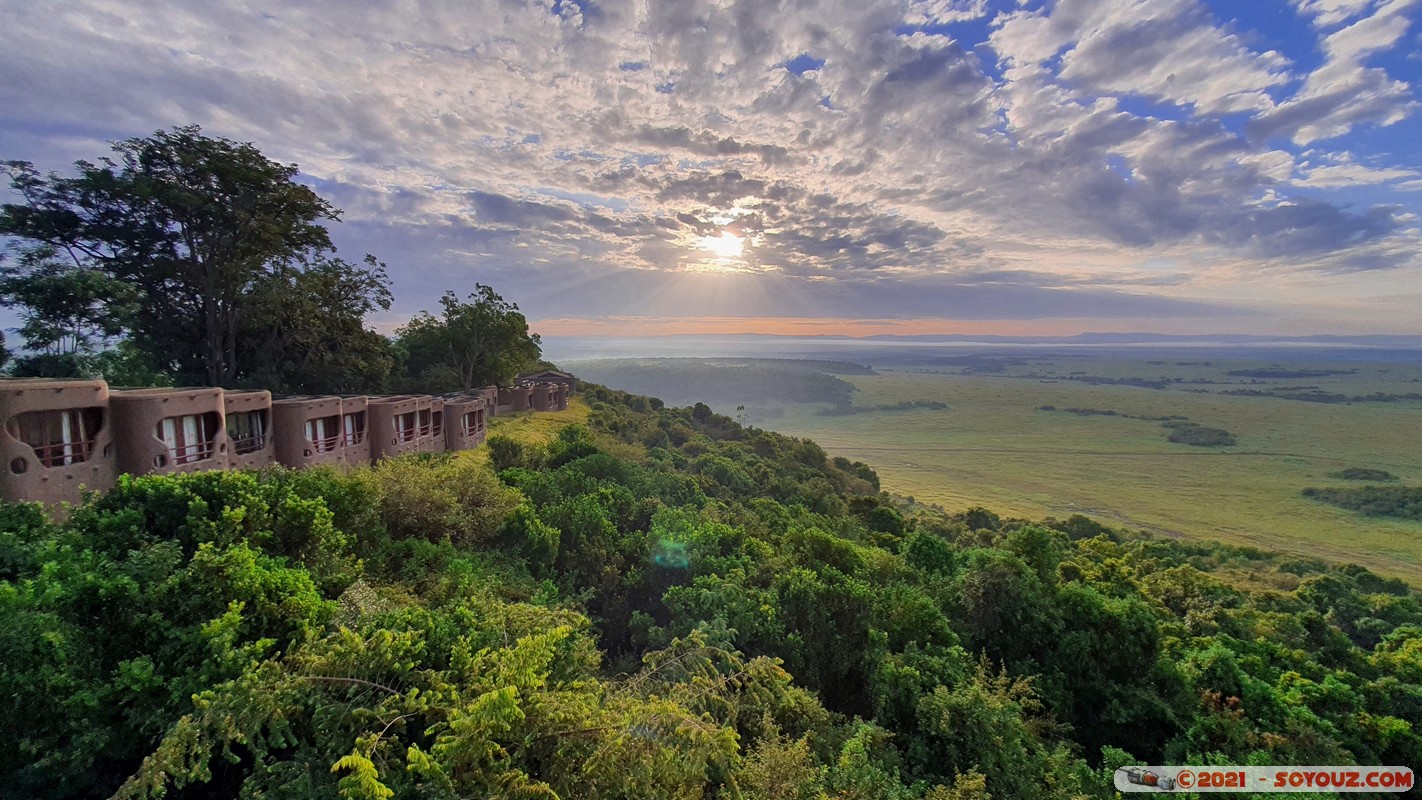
x=59 y=438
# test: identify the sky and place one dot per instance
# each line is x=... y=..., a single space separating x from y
x=677 y=166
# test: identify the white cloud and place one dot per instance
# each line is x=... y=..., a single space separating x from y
x=1168 y=50
x=559 y=149
x=944 y=12
x=1344 y=92
x=1328 y=13
x=1342 y=170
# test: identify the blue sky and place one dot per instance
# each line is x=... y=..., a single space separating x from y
x=857 y=167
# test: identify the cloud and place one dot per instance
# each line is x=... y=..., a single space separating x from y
x=877 y=159
x=1328 y=13
x=1342 y=170
x=1344 y=92
x=1168 y=50
x=944 y=12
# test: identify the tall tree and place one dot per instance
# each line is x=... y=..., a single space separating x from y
x=306 y=332
x=66 y=309
x=195 y=224
x=471 y=344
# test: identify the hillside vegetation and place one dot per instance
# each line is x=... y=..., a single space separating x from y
x=660 y=603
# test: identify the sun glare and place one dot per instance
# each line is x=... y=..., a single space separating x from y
x=726 y=246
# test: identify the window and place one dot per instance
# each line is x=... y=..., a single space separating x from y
x=404 y=427
x=353 y=428
x=248 y=431
x=425 y=422
x=437 y=423
x=324 y=433
x=471 y=423
x=189 y=437
x=59 y=438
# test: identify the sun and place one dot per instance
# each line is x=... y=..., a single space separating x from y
x=727 y=246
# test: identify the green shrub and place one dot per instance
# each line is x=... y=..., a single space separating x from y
x=1199 y=435
x=1363 y=474
x=428 y=499
x=1404 y=502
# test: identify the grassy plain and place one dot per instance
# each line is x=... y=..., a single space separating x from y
x=992 y=447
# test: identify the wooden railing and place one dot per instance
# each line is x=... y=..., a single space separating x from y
x=188 y=453
x=58 y=455
x=249 y=444
x=325 y=444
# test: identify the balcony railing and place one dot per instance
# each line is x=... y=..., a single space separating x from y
x=249 y=444
x=189 y=453
x=63 y=453
x=325 y=444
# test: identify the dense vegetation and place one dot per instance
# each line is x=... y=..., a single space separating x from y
x=902 y=405
x=1280 y=372
x=1108 y=412
x=1403 y=502
x=661 y=604
x=1315 y=395
x=1098 y=380
x=1363 y=474
x=1199 y=435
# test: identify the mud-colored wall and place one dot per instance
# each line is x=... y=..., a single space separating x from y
x=55 y=469
x=250 y=446
x=395 y=425
x=294 y=447
x=514 y=399
x=355 y=429
x=491 y=400
x=466 y=420
x=540 y=397
x=432 y=437
x=138 y=438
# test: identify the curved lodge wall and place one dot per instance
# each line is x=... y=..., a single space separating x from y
x=59 y=438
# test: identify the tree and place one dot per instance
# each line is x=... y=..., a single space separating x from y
x=306 y=333
x=66 y=309
x=477 y=343
x=194 y=224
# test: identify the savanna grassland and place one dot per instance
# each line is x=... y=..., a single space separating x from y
x=995 y=446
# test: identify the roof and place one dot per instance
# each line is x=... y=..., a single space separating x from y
x=546 y=373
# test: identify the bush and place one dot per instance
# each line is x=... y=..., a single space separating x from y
x=1374 y=501
x=1199 y=435
x=434 y=498
x=1363 y=474
x=504 y=453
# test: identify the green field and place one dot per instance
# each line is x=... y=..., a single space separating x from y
x=992 y=447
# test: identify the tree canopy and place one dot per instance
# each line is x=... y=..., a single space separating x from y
x=198 y=229
x=478 y=342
